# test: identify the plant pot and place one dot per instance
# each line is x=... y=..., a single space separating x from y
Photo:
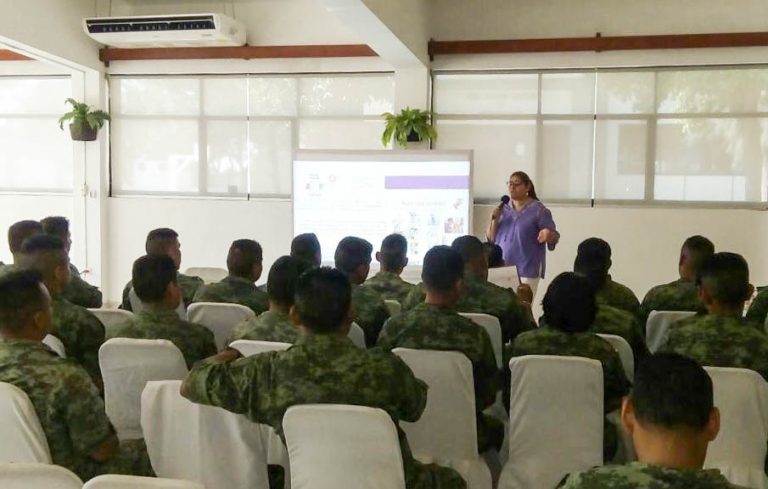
x=86 y=133
x=413 y=137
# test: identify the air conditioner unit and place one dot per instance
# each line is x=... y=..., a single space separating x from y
x=193 y=30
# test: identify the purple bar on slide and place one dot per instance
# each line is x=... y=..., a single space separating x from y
x=426 y=182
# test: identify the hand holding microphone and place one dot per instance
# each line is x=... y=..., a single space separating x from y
x=497 y=210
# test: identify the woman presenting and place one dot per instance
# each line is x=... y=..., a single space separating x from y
x=521 y=228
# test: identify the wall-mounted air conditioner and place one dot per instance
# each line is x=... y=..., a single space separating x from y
x=145 y=31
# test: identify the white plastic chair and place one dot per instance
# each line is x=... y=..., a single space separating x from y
x=55 y=344
x=22 y=438
x=394 y=307
x=506 y=277
x=226 y=448
x=254 y=347
x=126 y=366
x=112 y=481
x=547 y=394
x=37 y=476
x=335 y=446
x=492 y=325
x=739 y=450
x=446 y=433
x=357 y=335
x=625 y=353
x=111 y=317
x=220 y=318
x=208 y=274
x=657 y=326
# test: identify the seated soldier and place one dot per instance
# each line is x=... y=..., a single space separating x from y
x=71 y=412
x=680 y=295
x=495 y=255
x=307 y=247
x=435 y=325
x=671 y=418
x=393 y=258
x=78 y=292
x=17 y=233
x=275 y=324
x=154 y=280
x=164 y=241
x=353 y=259
x=80 y=331
x=244 y=263
x=324 y=366
x=722 y=338
x=596 y=254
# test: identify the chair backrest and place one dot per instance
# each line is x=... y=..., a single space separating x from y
x=739 y=450
x=113 y=481
x=37 y=476
x=547 y=394
x=111 y=317
x=126 y=366
x=220 y=318
x=492 y=325
x=506 y=277
x=357 y=335
x=226 y=448
x=333 y=446
x=625 y=353
x=657 y=326
x=22 y=439
x=254 y=347
x=394 y=307
x=208 y=274
x=55 y=344
x=137 y=305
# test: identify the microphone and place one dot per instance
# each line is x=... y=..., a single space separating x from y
x=504 y=200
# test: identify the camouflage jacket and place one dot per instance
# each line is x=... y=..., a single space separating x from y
x=611 y=320
x=720 y=341
x=194 y=340
x=189 y=286
x=637 y=475
x=619 y=296
x=80 y=292
x=321 y=369
x=680 y=295
x=234 y=290
x=6 y=268
x=70 y=410
x=390 y=286
x=370 y=312
x=268 y=326
x=81 y=333
x=758 y=310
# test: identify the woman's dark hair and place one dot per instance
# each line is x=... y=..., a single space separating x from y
x=527 y=181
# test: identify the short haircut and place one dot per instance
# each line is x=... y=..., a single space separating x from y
x=243 y=255
x=322 y=299
x=20 y=231
x=20 y=297
x=151 y=276
x=307 y=247
x=672 y=391
x=569 y=303
x=56 y=225
x=352 y=252
x=282 y=278
x=442 y=268
x=469 y=247
x=726 y=276
x=43 y=252
x=695 y=250
x=158 y=240
x=593 y=260
x=394 y=250
x=495 y=255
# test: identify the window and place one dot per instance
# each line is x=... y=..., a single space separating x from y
x=235 y=135
x=36 y=155
x=696 y=135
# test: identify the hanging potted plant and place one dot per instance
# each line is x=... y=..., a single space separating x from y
x=85 y=122
x=409 y=126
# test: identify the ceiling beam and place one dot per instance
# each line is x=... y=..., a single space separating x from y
x=239 y=52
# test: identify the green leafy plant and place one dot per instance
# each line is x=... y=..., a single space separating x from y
x=409 y=125
x=84 y=120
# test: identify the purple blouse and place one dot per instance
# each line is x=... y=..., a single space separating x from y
x=517 y=234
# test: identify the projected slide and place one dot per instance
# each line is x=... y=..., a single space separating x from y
x=425 y=196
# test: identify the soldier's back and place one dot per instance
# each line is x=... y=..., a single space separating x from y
x=637 y=475
x=390 y=286
x=81 y=333
x=267 y=326
x=80 y=292
x=370 y=312
x=234 y=290
x=680 y=295
x=758 y=310
x=619 y=296
x=481 y=296
x=611 y=320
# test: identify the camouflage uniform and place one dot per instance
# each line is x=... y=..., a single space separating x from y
x=430 y=327
x=680 y=295
x=637 y=475
x=80 y=292
x=370 y=312
x=188 y=284
x=390 y=286
x=611 y=320
x=321 y=369
x=6 y=268
x=81 y=333
x=619 y=296
x=268 y=326
x=70 y=410
x=194 y=340
x=720 y=341
x=235 y=290
x=758 y=310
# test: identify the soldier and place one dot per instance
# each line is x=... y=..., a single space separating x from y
x=80 y=331
x=353 y=259
x=323 y=366
x=495 y=255
x=593 y=259
x=78 y=292
x=722 y=338
x=244 y=263
x=17 y=233
x=680 y=295
x=393 y=258
x=611 y=320
x=165 y=241
x=671 y=417
x=275 y=324
x=71 y=413
x=154 y=280
x=307 y=247
x=434 y=325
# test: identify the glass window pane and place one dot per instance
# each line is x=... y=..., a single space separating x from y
x=568 y=93
x=156 y=96
x=340 y=134
x=272 y=96
x=22 y=95
x=486 y=94
x=566 y=160
x=625 y=92
x=155 y=156
x=715 y=91
x=35 y=155
x=225 y=96
x=620 y=159
x=271 y=156
x=347 y=95
x=500 y=148
x=227 y=157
